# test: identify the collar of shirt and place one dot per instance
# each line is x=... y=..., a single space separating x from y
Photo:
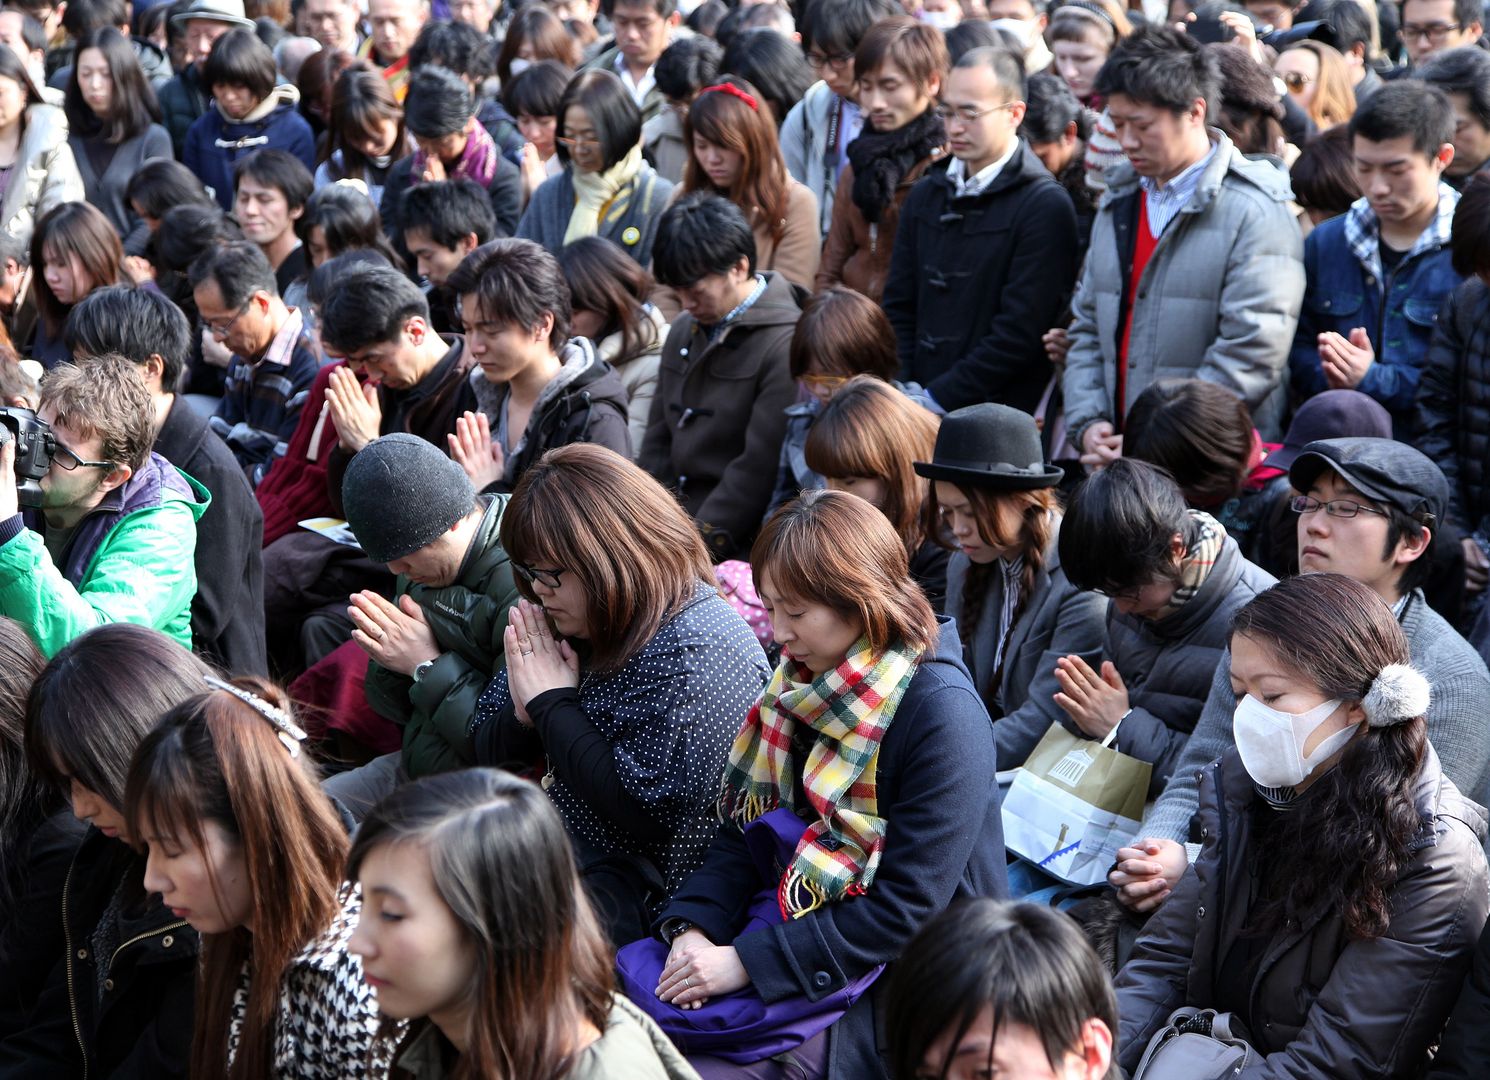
x=639 y=88
x=1165 y=201
x=1363 y=231
x=964 y=186
x=739 y=309
x=282 y=348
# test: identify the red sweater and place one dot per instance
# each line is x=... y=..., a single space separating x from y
x=1143 y=247
x=295 y=488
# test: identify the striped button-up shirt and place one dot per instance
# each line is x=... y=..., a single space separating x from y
x=1165 y=201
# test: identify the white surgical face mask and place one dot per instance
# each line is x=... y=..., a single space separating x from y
x=1271 y=742
x=1018 y=27
x=942 y=20
x=517 y=67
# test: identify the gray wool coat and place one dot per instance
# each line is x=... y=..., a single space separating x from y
x=1058 y=620
x=1219 y=299
x=1458 y=720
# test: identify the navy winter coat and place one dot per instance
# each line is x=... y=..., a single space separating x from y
x=944 y=842
x=215 y=144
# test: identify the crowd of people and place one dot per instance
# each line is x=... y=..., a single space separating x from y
x=787 y=540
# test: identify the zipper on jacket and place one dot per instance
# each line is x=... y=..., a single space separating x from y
x=72 y=1000
x=157 y=932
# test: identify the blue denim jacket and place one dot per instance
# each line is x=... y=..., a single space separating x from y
x=1347 y=288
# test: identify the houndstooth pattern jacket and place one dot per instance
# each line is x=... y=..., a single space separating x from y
x=327 y=1027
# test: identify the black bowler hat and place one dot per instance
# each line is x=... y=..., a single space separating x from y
x=990 y=446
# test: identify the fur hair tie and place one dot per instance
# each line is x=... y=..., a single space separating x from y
x=1398 y=693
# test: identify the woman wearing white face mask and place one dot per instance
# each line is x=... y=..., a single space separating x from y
x=1341 y=885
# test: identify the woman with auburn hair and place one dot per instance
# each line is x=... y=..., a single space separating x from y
x=476 y=928
x=535 y=34
x=864 y=442
x=994 y=496
x=866 y=769
x=736 y=155
x=246 y=848
x=608 y=294
x=626 y=674
x=365 y=131
x=74 y=250
x=1340 y=888
x=841 y=334
x=1316 y=76
x=899 y=68
x=117 y=967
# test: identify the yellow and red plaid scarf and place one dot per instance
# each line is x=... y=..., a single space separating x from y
x=849 y=709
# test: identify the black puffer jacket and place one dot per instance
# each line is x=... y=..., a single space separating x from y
x=585 y=402
x=1321 y=1004
x=1451 y=423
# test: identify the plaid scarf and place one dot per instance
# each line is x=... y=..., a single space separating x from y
x=849 y=709
x=1199 y=559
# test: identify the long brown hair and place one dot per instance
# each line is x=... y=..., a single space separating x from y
x=1350 y=846
x=834 y=549
x=605 y=280
x=73 y=229
x=725 y=119
x=503 y=865
x=1037 y=524
x=871 y=430
x=215 y=757
x=639 y=556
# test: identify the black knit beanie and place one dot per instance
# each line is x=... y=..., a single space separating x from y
x=401 y=493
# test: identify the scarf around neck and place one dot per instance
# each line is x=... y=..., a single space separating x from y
x=593 y=190
x=848 y=710
x=1198 y=562
x=882 y=159
x=478 y=161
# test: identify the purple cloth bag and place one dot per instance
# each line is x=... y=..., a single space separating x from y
x=739 y=1027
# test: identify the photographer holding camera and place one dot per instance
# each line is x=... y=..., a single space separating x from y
x=116 y=530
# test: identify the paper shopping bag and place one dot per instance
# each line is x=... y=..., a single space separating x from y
x=1073 y=804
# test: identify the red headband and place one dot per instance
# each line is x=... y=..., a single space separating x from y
x=730 y=88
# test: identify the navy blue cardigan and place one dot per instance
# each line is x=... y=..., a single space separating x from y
x=944 y=842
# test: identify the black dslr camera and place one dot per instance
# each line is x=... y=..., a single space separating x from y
x=35 y=445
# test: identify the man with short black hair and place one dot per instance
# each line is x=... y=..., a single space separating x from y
x=444 y=222
x=270 y=190
x=1175 y=578
x=1464 y=75
x=643 y=29
x=969 y=310
x=1195 y=266
x=1355 y=29
x=536 y=386
x=1369 y=509
x=1378 y=273
x=80 y=18
x=415 y=381
x=1026 y=20
x=1430 y=27
x=115 y=534
x=227 y=613
x=273 y=360
x=718 y=417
